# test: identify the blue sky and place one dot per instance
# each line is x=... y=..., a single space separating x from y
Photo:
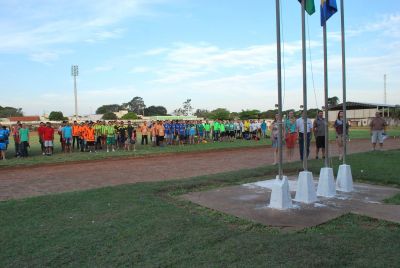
x=217 y=53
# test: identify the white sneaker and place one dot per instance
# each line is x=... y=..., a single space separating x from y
x=113 y=150
x=108 y=151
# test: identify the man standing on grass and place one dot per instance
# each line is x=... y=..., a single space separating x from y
x=377 y=129
x=76 y=129
x=15 y=132
x=48 y=137
x=319 y=133
x=144 y=130
x=3 y=142
x=40 y=130
x=110 y=131
x=67 y=137
x=300 y=133
x=24 y=140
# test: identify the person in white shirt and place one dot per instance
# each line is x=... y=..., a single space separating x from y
x=300 y=132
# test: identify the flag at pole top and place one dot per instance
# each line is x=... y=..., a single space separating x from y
x=310 y=7
x=328 y=8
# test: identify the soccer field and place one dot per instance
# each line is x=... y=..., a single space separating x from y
x=148 y=225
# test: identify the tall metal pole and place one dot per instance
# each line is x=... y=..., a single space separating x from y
x=326 y=96
x=384 y=89
x=303 y=44
x=279 y=72
x=344 y=82
x=75 y=73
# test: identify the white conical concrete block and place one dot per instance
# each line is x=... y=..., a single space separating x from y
x=280 y=195
x=326 y=183
x=344 y=182
x=305 y=188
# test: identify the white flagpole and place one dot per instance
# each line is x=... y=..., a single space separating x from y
x=344 y=180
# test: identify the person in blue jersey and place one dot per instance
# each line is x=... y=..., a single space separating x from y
x=263 y=129
x=4 y=134
x=66 y=134
x=168 y=132
x=182 y=132
x=192 y=132
x=173 y=131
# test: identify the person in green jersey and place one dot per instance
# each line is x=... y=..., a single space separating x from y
x=231 y=127
x=200 y=131
x=103 y=133
x=215 y=130
x=97 y=132
x=207 y=130
x=24 y=140
x=110 y=131
x=222 y=131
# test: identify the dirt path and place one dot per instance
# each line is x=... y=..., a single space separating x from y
x=33 y=181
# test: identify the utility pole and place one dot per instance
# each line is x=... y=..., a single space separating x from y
x=75 y=73
x=384 y=89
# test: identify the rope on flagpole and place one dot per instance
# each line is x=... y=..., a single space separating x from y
x=283 y=56
x=311 y=65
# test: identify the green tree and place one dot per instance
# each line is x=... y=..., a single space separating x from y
x=312 y=113
x=220 y=113
x=129 y=116
x=136 y=105
x=109 y=116
x=249 y=114
x=234 y=115
x=187 y=107
x=155 y=110
x=202 y=113
x=270 y=114
x=56 y=116
x=10 y=111
x=110 y=108
x=333 y=101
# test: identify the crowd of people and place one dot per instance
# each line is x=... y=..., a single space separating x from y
x=117 y=135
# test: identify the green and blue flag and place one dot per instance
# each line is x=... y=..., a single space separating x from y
x=328 y=8
x=309 y=5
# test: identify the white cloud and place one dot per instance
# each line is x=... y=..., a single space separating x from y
x=29 y=27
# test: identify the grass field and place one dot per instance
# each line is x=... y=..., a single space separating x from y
x=36 y=158
x=147 y=225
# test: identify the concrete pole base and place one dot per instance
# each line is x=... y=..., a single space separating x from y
x=344 y=181
x=280 y=195
x=326 y=183
x=305 y=188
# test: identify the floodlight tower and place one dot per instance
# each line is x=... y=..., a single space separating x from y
x=75 y=73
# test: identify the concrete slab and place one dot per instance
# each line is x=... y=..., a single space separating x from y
x=250 y=201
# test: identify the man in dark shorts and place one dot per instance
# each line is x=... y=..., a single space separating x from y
x=319 y=133
x=121 y=135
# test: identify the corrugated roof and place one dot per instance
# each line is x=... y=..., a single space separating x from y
x=350 y=105
x=24 y=118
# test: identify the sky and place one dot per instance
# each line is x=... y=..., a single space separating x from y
x=219 y=54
